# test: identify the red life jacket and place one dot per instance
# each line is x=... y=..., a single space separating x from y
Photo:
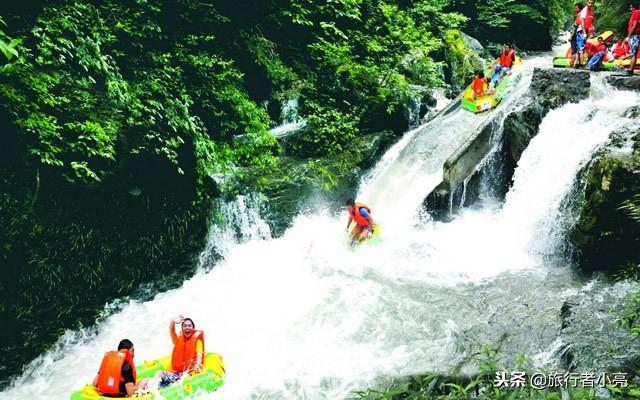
x=478 y=86
x=592 y=49
x=110 y=373
x=588 y=21
x=354 y=212
x=619 y=50
x=506 y=58
x=635 y=17
x=578 y=19
x=184 y=351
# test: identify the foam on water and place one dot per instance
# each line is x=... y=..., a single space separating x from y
x=301 y=316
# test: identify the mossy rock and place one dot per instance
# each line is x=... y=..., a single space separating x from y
x=605 y=235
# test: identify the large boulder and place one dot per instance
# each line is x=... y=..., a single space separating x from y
x=554 y=87
x=550 y=88
x=472 y=43
x=606 y=237
x=624 y=82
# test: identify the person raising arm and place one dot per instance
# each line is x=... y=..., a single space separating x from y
x=188 y=346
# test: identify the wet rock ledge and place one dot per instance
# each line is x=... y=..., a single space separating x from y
x=624 y=82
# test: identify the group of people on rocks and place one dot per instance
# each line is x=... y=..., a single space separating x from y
x=117 y=374
x=486 y=84
x=586 y=53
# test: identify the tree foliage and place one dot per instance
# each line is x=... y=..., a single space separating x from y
x=121 y=120
x=529 y=24
x=7 y=44
x=612 y=15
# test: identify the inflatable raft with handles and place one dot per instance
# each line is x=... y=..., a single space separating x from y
x=489 y=101
x=209 y=380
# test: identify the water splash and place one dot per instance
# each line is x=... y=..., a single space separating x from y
x=301 y=316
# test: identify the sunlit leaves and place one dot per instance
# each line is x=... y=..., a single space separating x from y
x=8 y=46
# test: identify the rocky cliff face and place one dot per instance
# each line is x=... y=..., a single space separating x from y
x=606 y=237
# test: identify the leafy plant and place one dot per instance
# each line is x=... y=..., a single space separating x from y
x=8 y=46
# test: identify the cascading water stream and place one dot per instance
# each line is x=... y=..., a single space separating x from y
x=291 y=121
x=301 y=316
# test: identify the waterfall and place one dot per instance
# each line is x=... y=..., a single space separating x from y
x=302 y=316
x=291 y=121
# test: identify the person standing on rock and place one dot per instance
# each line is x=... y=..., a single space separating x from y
x=573 y=40
x=580 y=35
x=586 y=18
x=584 y=30
x=634 y=34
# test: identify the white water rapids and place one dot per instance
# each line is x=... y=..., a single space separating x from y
x=302 y=317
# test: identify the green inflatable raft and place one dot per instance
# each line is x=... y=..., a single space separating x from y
x=563 y=62
x=489 y=101
x=209 y=380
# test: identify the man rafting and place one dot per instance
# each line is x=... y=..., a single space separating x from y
x=360 y=214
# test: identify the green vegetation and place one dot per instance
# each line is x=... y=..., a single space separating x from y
x=122 y=120
x=612 y=15
x=7 y=44
x=464 y=63
x=529 y=24
x=494 y=381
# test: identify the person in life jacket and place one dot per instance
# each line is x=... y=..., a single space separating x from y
x=479 y=85
x=117 y=374
x=586 y=18
x=580 y=36
x=633 y=34
x=361 y=215
x=620 y=49
x=596 y=53
x=505 y=63
x=574 y=50
x=188 y=346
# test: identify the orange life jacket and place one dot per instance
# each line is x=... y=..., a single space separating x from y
x=506 y=58
x=478 y=86
x=184 y=351
x=110 y=373
x=354 y=212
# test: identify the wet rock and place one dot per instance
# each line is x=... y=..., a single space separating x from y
x=632 y=112
x=622 y=82
x=554 y=87
x=593 y=338
x=605 y=236
x=374 y=147
x=520 y=127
